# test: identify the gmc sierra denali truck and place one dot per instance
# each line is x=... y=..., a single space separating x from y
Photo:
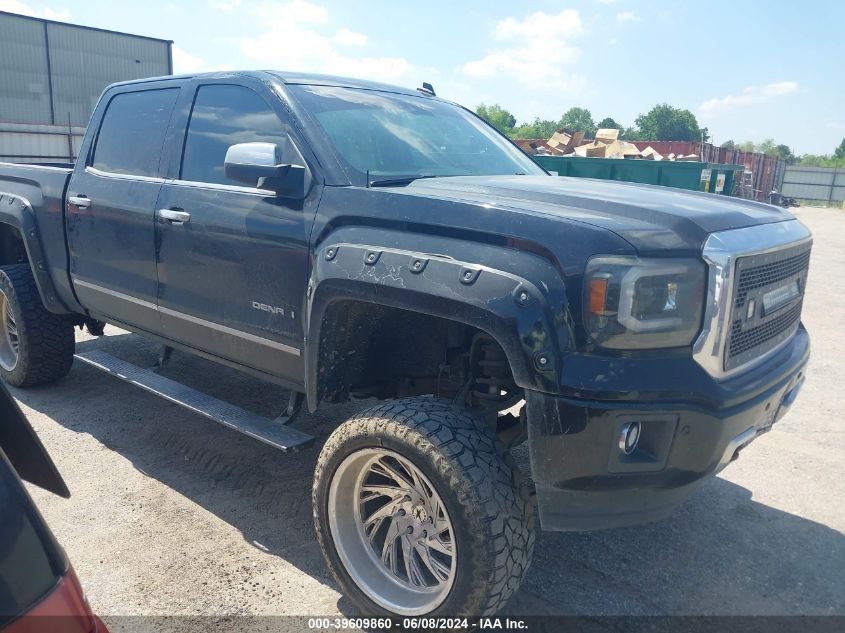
x=347 y=239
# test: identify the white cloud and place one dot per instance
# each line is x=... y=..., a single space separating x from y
x=345 y=36
x=626 y=16
x=294 y=38
x=749 y=95
x=540 y=44
x=185 y=63
x=15 y=6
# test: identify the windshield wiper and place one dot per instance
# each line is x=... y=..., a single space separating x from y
x=397 y=180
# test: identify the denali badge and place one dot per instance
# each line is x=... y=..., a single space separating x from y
x=273 y=309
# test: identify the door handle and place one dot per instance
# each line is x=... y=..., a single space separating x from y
x=174 y=216
x=82 y=201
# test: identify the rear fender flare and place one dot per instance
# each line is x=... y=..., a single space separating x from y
x=16 y=211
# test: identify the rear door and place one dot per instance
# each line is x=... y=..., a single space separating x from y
x=111 y=205
x=232 y=275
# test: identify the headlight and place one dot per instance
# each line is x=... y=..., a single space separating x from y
x=633 y=303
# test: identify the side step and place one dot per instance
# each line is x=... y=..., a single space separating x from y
x=276 y=435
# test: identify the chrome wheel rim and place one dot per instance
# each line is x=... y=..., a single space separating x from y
x=392 y=532
x=9 y=339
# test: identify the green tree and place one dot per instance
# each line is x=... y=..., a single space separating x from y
x=728 y=145
x=747 y=146
x=578 y=119
x=785 y=152
x=538 y=128
x=666 y=123
x=767 y=147
x=608 y=122
x=632 y=134
x=839 y=152
x=497 y=116
x=816 y=160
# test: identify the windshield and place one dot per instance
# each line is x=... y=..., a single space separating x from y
x=391 y=135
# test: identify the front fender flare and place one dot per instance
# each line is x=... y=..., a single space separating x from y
x=532 y=331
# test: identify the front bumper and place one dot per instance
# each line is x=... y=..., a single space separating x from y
x=585 y=482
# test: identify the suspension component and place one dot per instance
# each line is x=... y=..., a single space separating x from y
x=491 y=383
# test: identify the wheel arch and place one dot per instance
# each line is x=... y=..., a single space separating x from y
x=19 y=243
x=528 y=323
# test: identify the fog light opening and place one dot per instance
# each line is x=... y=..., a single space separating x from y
x=630 y=437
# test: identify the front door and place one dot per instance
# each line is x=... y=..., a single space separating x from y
x=233 y=259
x=111 y=204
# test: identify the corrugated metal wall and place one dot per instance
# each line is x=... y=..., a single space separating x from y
x=33 y=143
x=84 y=62
x=24 y=84
x=53 y=73
x=825 y=184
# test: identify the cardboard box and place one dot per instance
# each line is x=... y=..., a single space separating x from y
x=621 y=149
x=607 y=135
x=650 y=153
x=565 y=139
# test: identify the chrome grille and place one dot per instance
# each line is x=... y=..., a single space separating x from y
x=745 y=264
x=752 y=331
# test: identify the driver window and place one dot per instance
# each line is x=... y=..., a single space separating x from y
x=222 y=116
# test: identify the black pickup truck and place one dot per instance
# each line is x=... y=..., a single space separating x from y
x=346 y=239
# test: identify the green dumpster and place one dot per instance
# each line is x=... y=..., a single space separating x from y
x=693 y=175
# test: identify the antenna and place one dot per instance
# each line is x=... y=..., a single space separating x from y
x=427 y=89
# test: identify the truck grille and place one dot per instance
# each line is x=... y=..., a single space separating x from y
x=766 y=274
x=753 y=330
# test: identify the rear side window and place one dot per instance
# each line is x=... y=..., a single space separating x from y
x=131 y=136
x=225 y=115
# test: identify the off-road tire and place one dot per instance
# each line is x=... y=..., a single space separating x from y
x=488 y=499
x=46 y=341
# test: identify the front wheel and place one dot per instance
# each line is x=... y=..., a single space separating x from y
x=419 y=512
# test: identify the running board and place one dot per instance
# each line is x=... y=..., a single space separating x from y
x=285 y=438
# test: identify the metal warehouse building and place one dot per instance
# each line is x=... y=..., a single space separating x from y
x=51 y=75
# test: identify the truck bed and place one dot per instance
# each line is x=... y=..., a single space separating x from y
x=43 y=188
x=40 y=184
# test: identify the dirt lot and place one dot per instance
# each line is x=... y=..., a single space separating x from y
x=172 y=514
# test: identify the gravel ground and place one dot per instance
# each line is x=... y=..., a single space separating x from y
x=172 y=514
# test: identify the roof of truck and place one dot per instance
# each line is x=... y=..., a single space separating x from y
x=287 y=78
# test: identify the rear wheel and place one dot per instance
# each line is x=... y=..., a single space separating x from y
x=36 y=346
x=419 y=511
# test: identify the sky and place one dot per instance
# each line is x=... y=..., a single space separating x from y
x=747 y=70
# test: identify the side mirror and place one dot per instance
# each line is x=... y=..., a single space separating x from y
x=260 y=165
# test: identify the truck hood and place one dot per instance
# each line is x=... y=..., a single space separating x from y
x=649 y=217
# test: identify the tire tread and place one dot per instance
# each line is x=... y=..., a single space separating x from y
x=486 y=480
x=46 y=340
